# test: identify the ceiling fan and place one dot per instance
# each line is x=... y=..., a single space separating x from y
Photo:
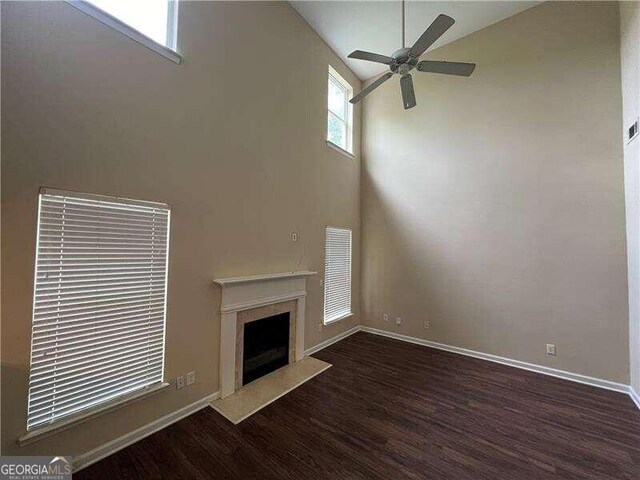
x=406 y=59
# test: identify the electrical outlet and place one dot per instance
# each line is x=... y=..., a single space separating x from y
x=294 y=236
x=191 y=378
x=180 y=382
x=385 y=317
x=319 y=327
x=398 y=320
x=426 y=324
x=551 y=349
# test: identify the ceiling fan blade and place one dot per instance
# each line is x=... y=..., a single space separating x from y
x=431 y=34
x=408 y=95
x=372 y=57
x=448 y=68
x=371 y=87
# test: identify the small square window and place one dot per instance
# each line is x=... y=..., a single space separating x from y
x=339 y=112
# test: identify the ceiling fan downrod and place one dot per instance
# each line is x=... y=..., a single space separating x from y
x=402 y=44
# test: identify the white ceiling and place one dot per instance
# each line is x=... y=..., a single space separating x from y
x=375 y=26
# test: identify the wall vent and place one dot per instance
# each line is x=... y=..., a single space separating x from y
x=633 y=131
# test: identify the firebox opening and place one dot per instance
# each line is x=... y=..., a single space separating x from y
x=266 y=346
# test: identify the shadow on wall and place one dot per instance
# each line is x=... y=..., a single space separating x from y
x=495 y=208
x=397 y=253
x=15 y=378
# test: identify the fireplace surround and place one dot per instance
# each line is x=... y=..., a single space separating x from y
x=260 y=298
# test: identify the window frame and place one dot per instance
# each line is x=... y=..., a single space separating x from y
x=168 y=51
x=333 y=75
x=43 y=430
x=331 y=320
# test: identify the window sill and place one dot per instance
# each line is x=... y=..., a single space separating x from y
x=125 y=29
x=335 y=320
x=42 y=432
x=332 y=145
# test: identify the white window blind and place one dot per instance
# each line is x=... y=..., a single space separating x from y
x=99 y=302
x=337 y=274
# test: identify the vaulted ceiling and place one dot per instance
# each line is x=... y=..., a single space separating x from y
x=375 y=26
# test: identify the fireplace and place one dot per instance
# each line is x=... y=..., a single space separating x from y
x=265 y=346
x=269 y=311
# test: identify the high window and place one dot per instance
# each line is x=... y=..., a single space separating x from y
x=340 y=112
x=152 y=23
x=337 y=274
x=99 y=303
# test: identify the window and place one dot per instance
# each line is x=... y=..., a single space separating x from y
x=337 y=274
x=153 y=23
x=99 y=303
x=340 y=112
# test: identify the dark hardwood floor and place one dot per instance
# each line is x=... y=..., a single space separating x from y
x=393 y=410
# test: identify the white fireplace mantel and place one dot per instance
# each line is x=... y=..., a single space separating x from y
x=244 y=293
x=225 y=282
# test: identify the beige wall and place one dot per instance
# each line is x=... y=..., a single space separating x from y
x=233 y=139
x=630 y=59
x=495 y=208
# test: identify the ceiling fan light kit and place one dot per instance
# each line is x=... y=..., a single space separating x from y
x=406 y=59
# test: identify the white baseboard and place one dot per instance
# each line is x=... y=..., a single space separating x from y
x=92 y=456
x=97 y=454
x=574 y=377
x=331 y=341
x=634 y=396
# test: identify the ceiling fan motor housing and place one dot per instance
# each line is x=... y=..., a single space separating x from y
x=402 y=63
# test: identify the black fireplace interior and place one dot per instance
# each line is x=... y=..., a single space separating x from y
x=266 y=346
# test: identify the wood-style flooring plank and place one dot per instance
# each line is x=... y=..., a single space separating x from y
x=393 y=410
